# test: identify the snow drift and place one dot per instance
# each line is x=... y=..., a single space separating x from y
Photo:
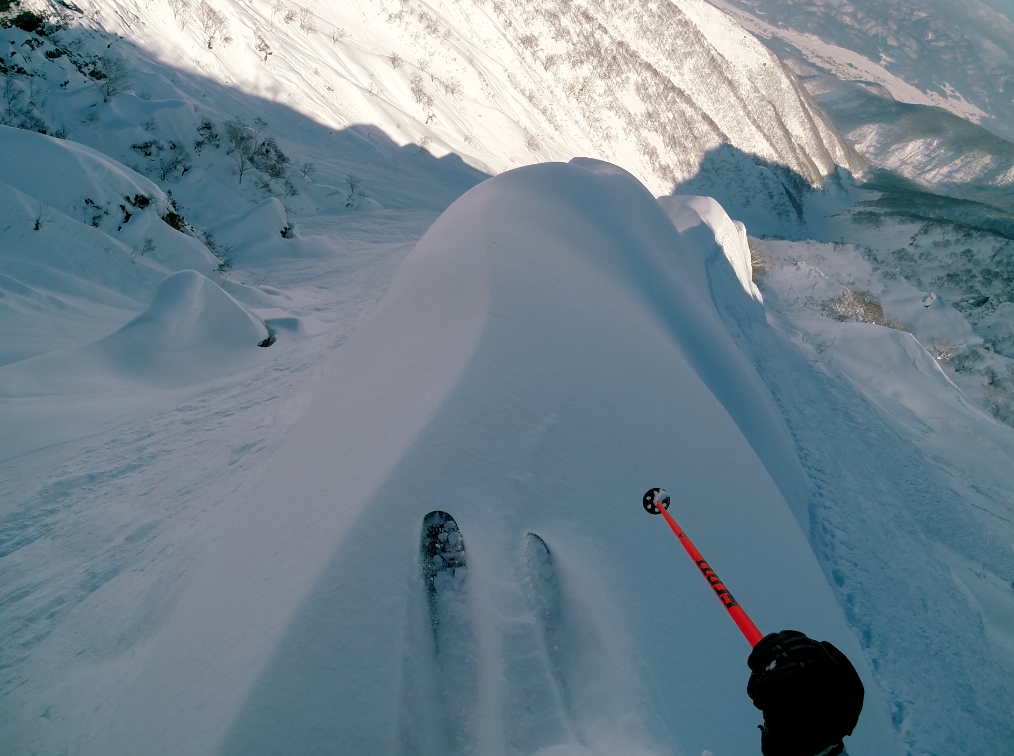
x=191 y=331
x=546 y=353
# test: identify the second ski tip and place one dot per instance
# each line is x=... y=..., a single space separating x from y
x=654 y=498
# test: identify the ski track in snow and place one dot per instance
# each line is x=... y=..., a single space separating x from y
x=127 y=501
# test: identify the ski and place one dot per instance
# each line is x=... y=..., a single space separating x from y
x=442 y=553
x=452 y=684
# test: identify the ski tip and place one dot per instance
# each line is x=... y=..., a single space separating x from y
x=653 y=498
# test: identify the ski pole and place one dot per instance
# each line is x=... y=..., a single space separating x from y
x=656 y=501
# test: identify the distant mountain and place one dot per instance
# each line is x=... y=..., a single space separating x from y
x=922 y=89
x=956 y=54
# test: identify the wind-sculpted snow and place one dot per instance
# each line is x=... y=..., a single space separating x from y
x=81 y=252
x=547 y=351
x=74 y=179
x=689 y=213
x=191 y=331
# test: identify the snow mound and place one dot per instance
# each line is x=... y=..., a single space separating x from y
x=89 y=181
x=192 y=330
x=261 y=224
x=65 y=283
x=547 y=352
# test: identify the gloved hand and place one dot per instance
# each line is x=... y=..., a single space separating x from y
x=809 y=692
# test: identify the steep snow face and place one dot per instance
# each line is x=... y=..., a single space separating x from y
x=651 y=87
x=548 y=346
x=954 y=54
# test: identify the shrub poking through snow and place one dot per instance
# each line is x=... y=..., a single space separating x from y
x=857 y=306
x=206 y=136
x=249 y=149
x=178 y=159
x=175 y=220
x=115 y=76
x=306 y=21
x=269 y=158
x=998 y=395
x=28 y=22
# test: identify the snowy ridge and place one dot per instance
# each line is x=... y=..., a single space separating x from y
x=934 y=149
x=918 y=88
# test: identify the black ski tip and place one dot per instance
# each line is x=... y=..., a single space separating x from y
x=652 y=498
x=441 y=546
x=534 y=539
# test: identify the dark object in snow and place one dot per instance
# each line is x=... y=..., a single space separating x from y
x=268 y=341
x=29 y=22
x=809 y=692
x=442 y=555
x=175 y=220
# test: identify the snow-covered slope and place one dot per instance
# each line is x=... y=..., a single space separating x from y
x=650 y=87
x=210 y=547
x=919 y=88
x=953 y=54
x=526 y=377
x=82 y=242
x=927 y=145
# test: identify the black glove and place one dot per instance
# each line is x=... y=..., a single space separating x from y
x=809 y=692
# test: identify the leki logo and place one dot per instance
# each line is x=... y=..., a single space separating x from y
x=716 y=584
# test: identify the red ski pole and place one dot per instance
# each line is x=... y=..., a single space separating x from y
x=656 y=501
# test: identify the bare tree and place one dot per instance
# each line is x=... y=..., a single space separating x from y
x=306 y=21
x=263 y=47
x=213 y=23
x=177 y=160
x=11 y=93
x=181 y=11
x=116 y=76
x=338 y=34
x=355 y=197
x=243 y=142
